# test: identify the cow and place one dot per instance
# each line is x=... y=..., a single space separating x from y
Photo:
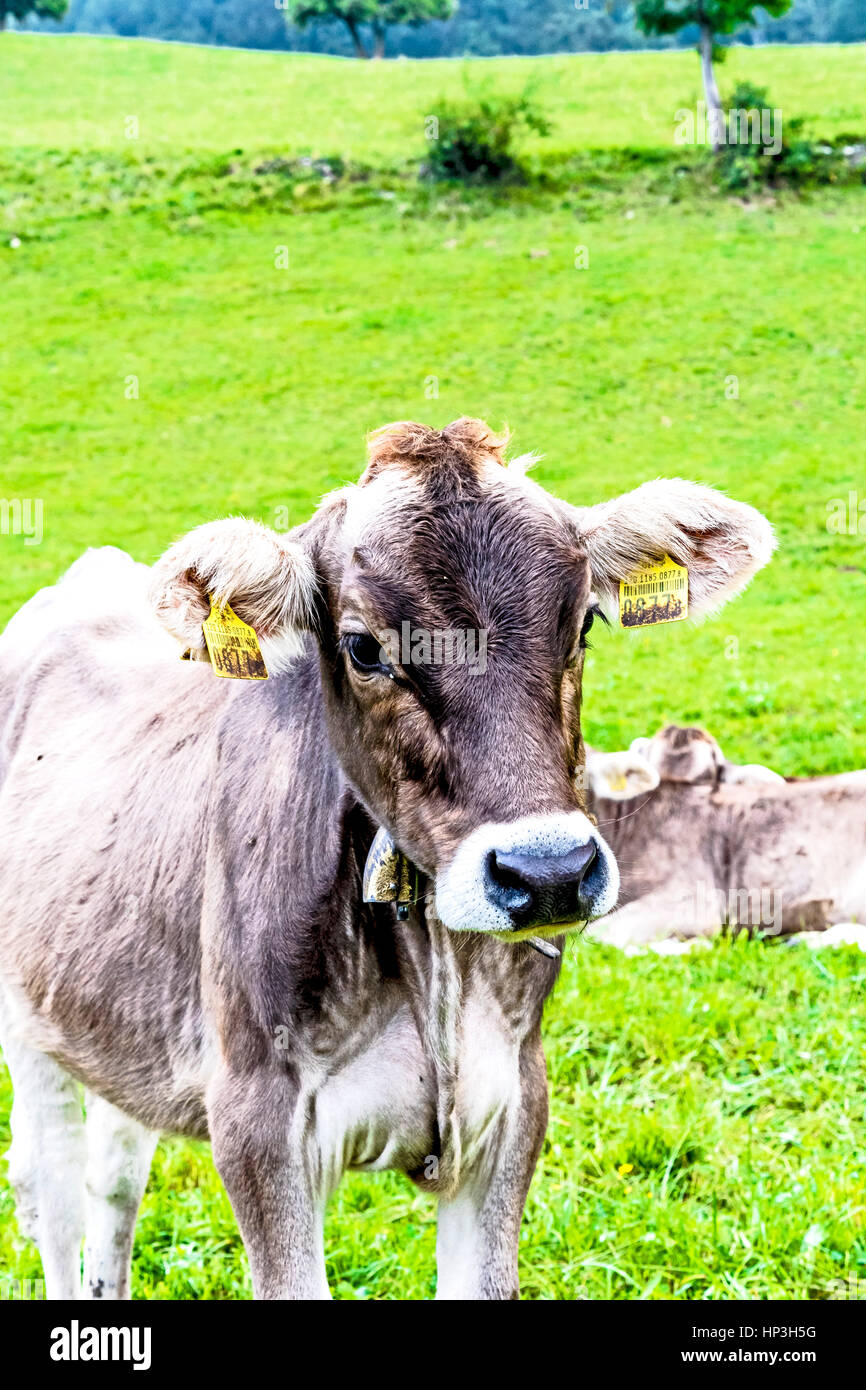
x=184 y=929
x=715 y=846
x=690 y=754
x=674 y=754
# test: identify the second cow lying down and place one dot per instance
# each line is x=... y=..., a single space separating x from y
x=703 y=844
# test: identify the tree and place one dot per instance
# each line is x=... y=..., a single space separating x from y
x=20 y=9
x=353 y=14
x=414 y=13
x=713 y=18
x=378 y=14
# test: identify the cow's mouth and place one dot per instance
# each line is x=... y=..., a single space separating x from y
x=541 y=933
x=542 y=942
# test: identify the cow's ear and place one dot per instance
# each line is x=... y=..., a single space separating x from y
x=721 y=542
x=620 y=776
x=267 y=578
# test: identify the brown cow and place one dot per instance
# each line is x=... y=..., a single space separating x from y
x=692 y=755
x=181 y=873
x=715 y=845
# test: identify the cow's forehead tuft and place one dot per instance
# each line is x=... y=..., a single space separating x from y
x=461 y=449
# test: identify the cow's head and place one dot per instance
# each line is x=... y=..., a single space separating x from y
x=682 y=754
x=451 y=598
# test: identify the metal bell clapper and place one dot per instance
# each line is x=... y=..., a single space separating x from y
x=389 y=877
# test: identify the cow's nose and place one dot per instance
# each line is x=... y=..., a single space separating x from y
x=539 y=890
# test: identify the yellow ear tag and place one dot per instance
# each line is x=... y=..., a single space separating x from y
x=655 y=594
x=232 y=645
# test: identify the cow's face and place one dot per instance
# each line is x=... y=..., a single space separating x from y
x=457 y=603
x=451 y=599
x=683 y=754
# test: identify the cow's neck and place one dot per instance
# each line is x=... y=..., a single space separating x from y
x=443 y=976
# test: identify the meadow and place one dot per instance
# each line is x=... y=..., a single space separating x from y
x=706 y=1142
x=219 y=100
x=187 y=334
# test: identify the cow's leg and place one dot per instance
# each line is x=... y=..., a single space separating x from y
x=266 y=1161
x=46 y=1161
x=479 y=1228
x=119 y=1153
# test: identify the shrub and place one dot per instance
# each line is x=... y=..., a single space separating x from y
x=801 y=159
x=746 y=95
x=475 y=139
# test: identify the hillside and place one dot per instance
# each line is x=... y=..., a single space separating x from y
x=205 y=99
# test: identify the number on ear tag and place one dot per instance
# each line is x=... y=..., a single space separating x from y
x=232 y=645
x=655 y=594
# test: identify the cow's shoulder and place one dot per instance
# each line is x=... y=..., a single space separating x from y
x=108 y=677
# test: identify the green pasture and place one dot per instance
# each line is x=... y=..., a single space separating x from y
x=161 y=367
x=706 y=1141
x=256 y=386
x=68 y=92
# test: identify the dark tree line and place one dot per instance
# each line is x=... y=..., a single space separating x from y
x=481 y=27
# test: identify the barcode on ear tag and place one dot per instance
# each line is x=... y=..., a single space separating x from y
x=232 y=645
x=655 y=594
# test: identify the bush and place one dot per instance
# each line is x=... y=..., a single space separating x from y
x=746 y=166
x=746 y=95
x=474 y=140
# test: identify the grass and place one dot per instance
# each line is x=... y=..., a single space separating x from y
x=158 y=370
x=706 y=1142
x=256 y=386
x=215 y=99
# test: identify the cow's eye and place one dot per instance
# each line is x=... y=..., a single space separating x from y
x=365 y=653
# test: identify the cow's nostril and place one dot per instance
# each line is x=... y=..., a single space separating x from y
x=509 y=889
x=536 y=889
